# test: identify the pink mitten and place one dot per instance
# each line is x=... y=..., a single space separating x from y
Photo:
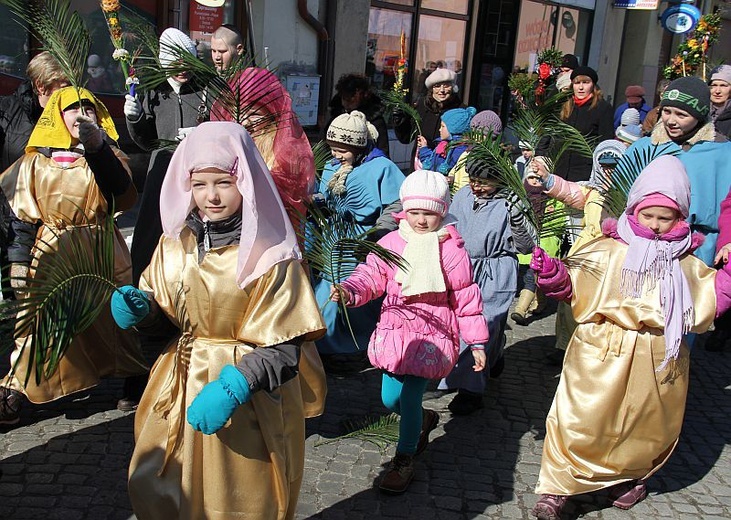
x=541 y=263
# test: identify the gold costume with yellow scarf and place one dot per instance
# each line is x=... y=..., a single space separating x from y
x=179 y=473
x=61 y=198
x=614 y=418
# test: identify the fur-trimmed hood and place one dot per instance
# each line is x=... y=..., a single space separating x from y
x=706 y=133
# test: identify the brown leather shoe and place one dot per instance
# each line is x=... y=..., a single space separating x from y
x=399 y=474
x=549 y=507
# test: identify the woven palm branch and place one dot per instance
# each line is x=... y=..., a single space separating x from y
x=395 y=102
x=492 y=153
x=322 y=154
x=383 y=431
x=334 y=247
x=615 y=187
x=536 y=124
x=62 y=32
x=71 y=285
x=238 y=104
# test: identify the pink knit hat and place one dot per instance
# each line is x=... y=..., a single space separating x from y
x=656 y=199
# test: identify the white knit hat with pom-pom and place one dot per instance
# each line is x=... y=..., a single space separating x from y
x=351 y=131
x=425 y=190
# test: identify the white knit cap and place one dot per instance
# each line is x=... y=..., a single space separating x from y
x=440 y=76
x=172 y=43
x=628 y=133
x=630 y=116
x=351 y=130
x=426 y=190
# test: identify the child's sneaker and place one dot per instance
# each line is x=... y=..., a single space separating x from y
x=627 y=494
x=399 y=475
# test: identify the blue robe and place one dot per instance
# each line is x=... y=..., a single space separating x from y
x=708 y=165
x=490 y=246
x=370 y=187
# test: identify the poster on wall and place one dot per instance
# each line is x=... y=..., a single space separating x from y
x=305 y=94
x=204 y=19
x=542 y=26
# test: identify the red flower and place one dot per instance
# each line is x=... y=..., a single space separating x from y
x=544 y=71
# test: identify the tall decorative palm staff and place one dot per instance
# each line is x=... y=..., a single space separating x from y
x=111 y=9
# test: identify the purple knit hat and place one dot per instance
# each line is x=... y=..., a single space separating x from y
x=487 y=121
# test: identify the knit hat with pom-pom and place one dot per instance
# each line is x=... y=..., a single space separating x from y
x=486 y=122
x=457 y=120
x=425 y=190
x=351 y=131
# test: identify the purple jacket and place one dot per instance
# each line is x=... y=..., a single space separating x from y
x=419 y=335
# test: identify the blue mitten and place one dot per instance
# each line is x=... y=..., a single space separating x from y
x=216 y=403
x=129 y=306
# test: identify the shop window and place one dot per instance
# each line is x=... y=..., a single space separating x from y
x=384 y=45
x=450 y=6
x=14 y=45
x=440 y=45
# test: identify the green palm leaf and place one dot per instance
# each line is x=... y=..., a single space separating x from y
x=321 y=151
x=62 y=32
x=395 y=102
x=615 y=186
x=382 y=431
x=334 y=247
x=71 y=285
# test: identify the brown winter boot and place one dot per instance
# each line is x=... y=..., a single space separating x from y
x=399 y=475
x=520 y=312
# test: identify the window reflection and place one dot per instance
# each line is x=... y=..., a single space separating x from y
x=451 y=6
x=441 y=45
x=384 y=44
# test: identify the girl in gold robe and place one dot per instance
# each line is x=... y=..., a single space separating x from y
x=618 y=409
x=219 y=432
x=69 y=178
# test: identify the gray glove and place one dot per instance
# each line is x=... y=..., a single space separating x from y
x=90 y=135
x=132 y=108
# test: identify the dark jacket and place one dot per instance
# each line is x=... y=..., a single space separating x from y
x=164 y=112
x=593 y=123
x=430 y=112
x=722 y=123
x=19 y=113
x=373 y=109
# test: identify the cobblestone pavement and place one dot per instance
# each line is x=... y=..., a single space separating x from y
x=68 y=459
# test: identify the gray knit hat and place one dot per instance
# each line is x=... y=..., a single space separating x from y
x=722 y=72
x=690 y=94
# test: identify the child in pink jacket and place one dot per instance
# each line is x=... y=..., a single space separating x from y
x=426 y=308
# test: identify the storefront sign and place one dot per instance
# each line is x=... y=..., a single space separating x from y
x=211 y=3
x=636 y=4
x=205 y=19
x=680 y=19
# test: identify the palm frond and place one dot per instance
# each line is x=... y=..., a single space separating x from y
x=616 y=185
x=62 y=32
x=71 y=285
x=322 y=154
x=383 y=431
x=395 y=102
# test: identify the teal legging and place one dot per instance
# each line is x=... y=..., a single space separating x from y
x=403 y=394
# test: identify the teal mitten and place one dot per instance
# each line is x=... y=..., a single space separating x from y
x=216 y=403
x=129 y=306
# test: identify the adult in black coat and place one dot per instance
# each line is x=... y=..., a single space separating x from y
x=441 y=96
x=353 y=92
x=19 y=113
x=590 y=114
x=720 y=86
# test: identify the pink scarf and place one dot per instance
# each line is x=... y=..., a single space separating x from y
x=652 y=258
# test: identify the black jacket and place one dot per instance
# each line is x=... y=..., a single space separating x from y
x=722 y=123
x=19 y=113
x=593 y=123
x=373 y=109
x=430 y=112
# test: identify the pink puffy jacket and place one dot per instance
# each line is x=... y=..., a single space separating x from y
x=419 y=335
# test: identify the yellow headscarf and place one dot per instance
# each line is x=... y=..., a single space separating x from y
x=50 y=130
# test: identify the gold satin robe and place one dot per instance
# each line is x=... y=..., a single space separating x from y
x=252 y=468
x=613 y=418
x=40 y=190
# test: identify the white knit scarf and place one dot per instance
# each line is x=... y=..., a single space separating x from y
x=423 y=274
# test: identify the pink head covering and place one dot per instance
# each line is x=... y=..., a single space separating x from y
x=656 y=199
x=267 y=236
x=259 y=91
x=666 y=176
